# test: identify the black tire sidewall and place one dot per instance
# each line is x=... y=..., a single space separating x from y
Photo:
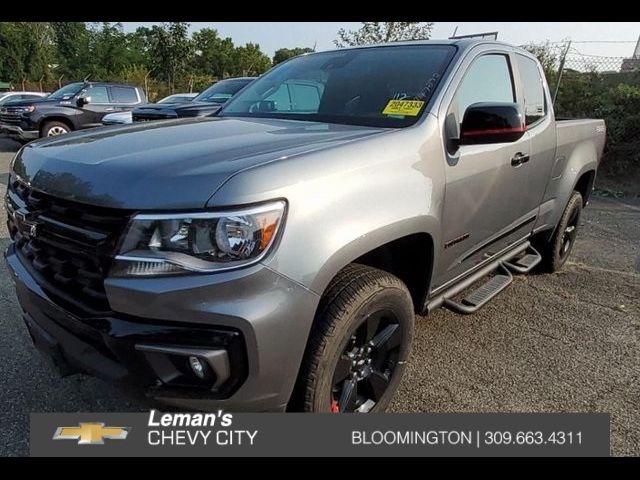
x=557 y=260
x=386 y=298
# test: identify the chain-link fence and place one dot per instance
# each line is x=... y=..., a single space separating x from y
x=596 y=86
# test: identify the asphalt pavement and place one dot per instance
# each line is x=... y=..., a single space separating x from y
x=565 y=342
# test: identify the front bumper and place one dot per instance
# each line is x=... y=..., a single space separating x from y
x=18 y=132
x=252 y=324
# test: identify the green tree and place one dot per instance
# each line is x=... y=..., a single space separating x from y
x=283 y=54
x=138 y=46
x=170 y=51
x=250 y=60
x=39 y=50
x=73 y=57
x=213 y=55
x=108 y=44
x=382 y=32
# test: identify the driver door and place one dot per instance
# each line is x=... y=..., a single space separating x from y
x=100 y=104
x=485 y=208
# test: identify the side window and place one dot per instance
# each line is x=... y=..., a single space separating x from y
x=306 y=97
x=487 y=80
x=98 y=95
x=281 y=98
x=534 y=99
x=124 y=95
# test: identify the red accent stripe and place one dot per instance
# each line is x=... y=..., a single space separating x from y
x=493 y=131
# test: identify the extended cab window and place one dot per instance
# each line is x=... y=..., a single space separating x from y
x=124 y=95
x=534 y=99
x=488 y=79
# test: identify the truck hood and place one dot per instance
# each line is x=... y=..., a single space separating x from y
x=175 y=164
x=158 y=111
x=38 y=102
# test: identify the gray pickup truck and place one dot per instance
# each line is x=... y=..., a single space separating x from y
x=274 y=257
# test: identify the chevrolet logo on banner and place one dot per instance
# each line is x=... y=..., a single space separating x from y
x=91 y=433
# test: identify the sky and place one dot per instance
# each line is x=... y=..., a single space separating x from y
x=274 y=35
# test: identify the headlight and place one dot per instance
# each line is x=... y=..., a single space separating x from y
x=199 y=242
x=28 y=109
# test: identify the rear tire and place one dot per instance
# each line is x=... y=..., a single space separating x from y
x=359 y=343
x=556 y=251
x=53 y=129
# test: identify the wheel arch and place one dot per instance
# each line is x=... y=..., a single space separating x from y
x=406 y=249
x=584 y=184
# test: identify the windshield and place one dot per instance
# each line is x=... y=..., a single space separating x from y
x=222 y=91
x=177 y=99
x=66 y=92
x=383 y=86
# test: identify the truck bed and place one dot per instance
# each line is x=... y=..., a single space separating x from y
x=580 y=134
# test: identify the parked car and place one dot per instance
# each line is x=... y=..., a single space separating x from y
x=73 y=107
x=6 y=97
x=122 y=118
x=274 y=256
x=178 y=98
x=205 y=104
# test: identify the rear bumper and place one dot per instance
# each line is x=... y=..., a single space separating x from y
x=18 y=132
x=250 y=328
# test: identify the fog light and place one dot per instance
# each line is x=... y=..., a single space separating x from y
x=197 y=366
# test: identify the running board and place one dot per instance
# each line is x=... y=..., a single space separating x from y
x=482 y=295
x=525 y=263
x=486 y=292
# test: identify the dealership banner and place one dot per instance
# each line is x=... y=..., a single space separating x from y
x=218 y=434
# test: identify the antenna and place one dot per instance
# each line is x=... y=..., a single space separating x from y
x=636 y=52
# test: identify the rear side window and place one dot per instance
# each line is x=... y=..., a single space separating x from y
x=124 y=95
x=487 y=80
x=534 y=100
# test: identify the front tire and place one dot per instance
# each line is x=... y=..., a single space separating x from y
x=359 y=344
x=557 y=250
x=53 y=129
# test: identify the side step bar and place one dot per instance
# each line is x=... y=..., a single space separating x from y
x=525 y=263
x=482 y=295
x=486 y=292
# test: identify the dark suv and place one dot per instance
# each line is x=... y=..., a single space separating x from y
x=205 y=104
x=73 y=107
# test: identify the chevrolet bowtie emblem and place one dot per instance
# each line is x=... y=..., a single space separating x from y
x=25 y=223
x=91 y=433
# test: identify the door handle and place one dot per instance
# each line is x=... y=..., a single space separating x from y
x=519 y=158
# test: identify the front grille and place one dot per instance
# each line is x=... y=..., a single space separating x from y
x=11 y=119
x=70 y=249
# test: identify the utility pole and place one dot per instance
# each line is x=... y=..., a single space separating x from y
x=561 y=70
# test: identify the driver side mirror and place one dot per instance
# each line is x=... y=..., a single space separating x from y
x=82 y=101
x=486 y=123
